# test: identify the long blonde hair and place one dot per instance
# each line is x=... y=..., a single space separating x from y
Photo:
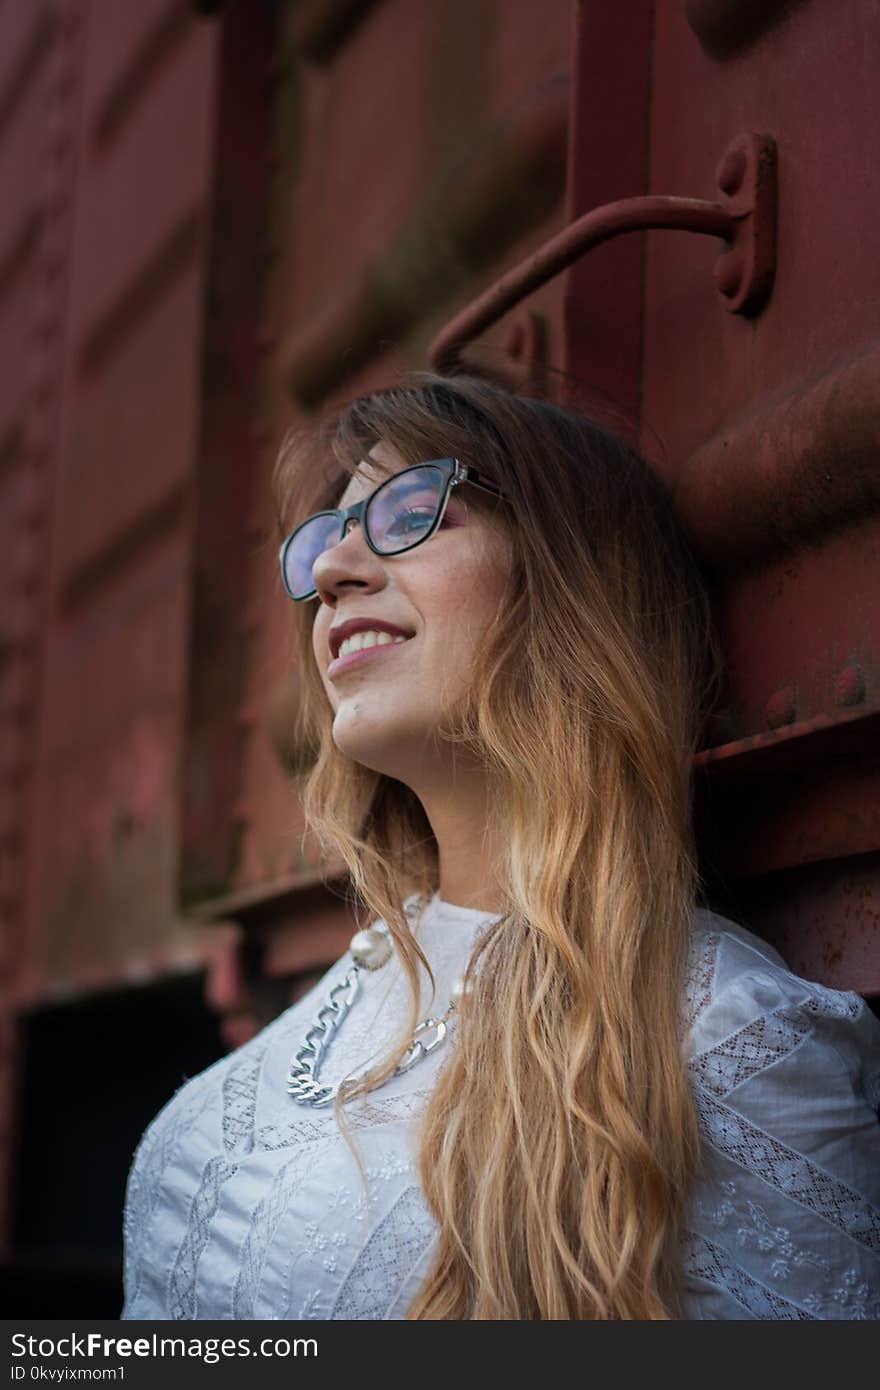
x=559 y=1145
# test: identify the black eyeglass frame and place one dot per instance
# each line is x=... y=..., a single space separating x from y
x=456 y=471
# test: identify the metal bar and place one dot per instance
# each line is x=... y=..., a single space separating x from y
x=652 y=213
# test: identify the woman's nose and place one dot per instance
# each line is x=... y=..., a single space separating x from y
x=349 y=561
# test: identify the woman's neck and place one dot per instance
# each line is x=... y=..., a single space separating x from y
x=458 y=813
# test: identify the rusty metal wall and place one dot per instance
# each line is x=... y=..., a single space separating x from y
x=771 y=425
x=768 y=420
x=106 y=161
x=102 y=863
x=39 y=66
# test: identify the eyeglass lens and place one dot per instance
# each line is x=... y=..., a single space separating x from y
x=399 y=515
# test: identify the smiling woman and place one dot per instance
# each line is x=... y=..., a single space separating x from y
x=596 y=1098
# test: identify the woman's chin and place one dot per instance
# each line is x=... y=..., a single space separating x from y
x=380 y=747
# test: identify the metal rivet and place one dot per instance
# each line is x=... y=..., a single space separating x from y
x=728 y=272
x=850 y=686
x=732 y=171
x=780 y=708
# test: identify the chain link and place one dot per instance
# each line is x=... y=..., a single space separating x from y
x=302 y=1078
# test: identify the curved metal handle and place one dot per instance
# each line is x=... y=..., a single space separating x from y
x=745 y=217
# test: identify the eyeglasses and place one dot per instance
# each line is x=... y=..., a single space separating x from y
x=401 y=513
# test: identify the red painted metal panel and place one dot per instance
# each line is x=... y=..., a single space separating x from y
x=810 y=81
x=608 y=160
x=133 y=118
x=107 y=144
x=219 y=720
x=769 y=424
x=15 y=323
x=38 y=84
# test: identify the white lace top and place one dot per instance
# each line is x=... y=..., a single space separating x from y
x=242 y=1204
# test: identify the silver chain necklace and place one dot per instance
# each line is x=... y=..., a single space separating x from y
x=370 y=950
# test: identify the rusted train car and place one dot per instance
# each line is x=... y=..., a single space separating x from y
x=218 y=219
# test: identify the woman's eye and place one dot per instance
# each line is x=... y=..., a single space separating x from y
x=416 y=518
x=413 y=519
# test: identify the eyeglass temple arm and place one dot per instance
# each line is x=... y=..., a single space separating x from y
x=471 y=475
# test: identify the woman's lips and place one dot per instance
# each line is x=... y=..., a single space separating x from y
x=342 y=663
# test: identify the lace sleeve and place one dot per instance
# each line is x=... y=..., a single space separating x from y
x=786 y=1213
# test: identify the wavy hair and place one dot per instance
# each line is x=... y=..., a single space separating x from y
x=560 y=1143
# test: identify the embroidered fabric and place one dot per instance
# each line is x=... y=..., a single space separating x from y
x=242 y=1205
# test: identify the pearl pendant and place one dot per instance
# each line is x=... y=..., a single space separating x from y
x=370 y=948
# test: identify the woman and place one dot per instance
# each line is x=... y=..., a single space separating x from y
x=571 y=1091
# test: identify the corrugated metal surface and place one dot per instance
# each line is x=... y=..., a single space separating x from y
x=769 y=424
x=772 y=424
x=103 y=861
x=40 y=78
x=106 y=160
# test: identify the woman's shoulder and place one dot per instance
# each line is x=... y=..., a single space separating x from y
x=746 y=1009
x=785 y=1074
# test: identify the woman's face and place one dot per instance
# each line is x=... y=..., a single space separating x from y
x=444 y=592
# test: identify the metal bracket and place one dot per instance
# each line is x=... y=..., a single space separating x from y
x=744 y=217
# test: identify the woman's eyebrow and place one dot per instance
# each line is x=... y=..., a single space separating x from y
x=364 y=476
